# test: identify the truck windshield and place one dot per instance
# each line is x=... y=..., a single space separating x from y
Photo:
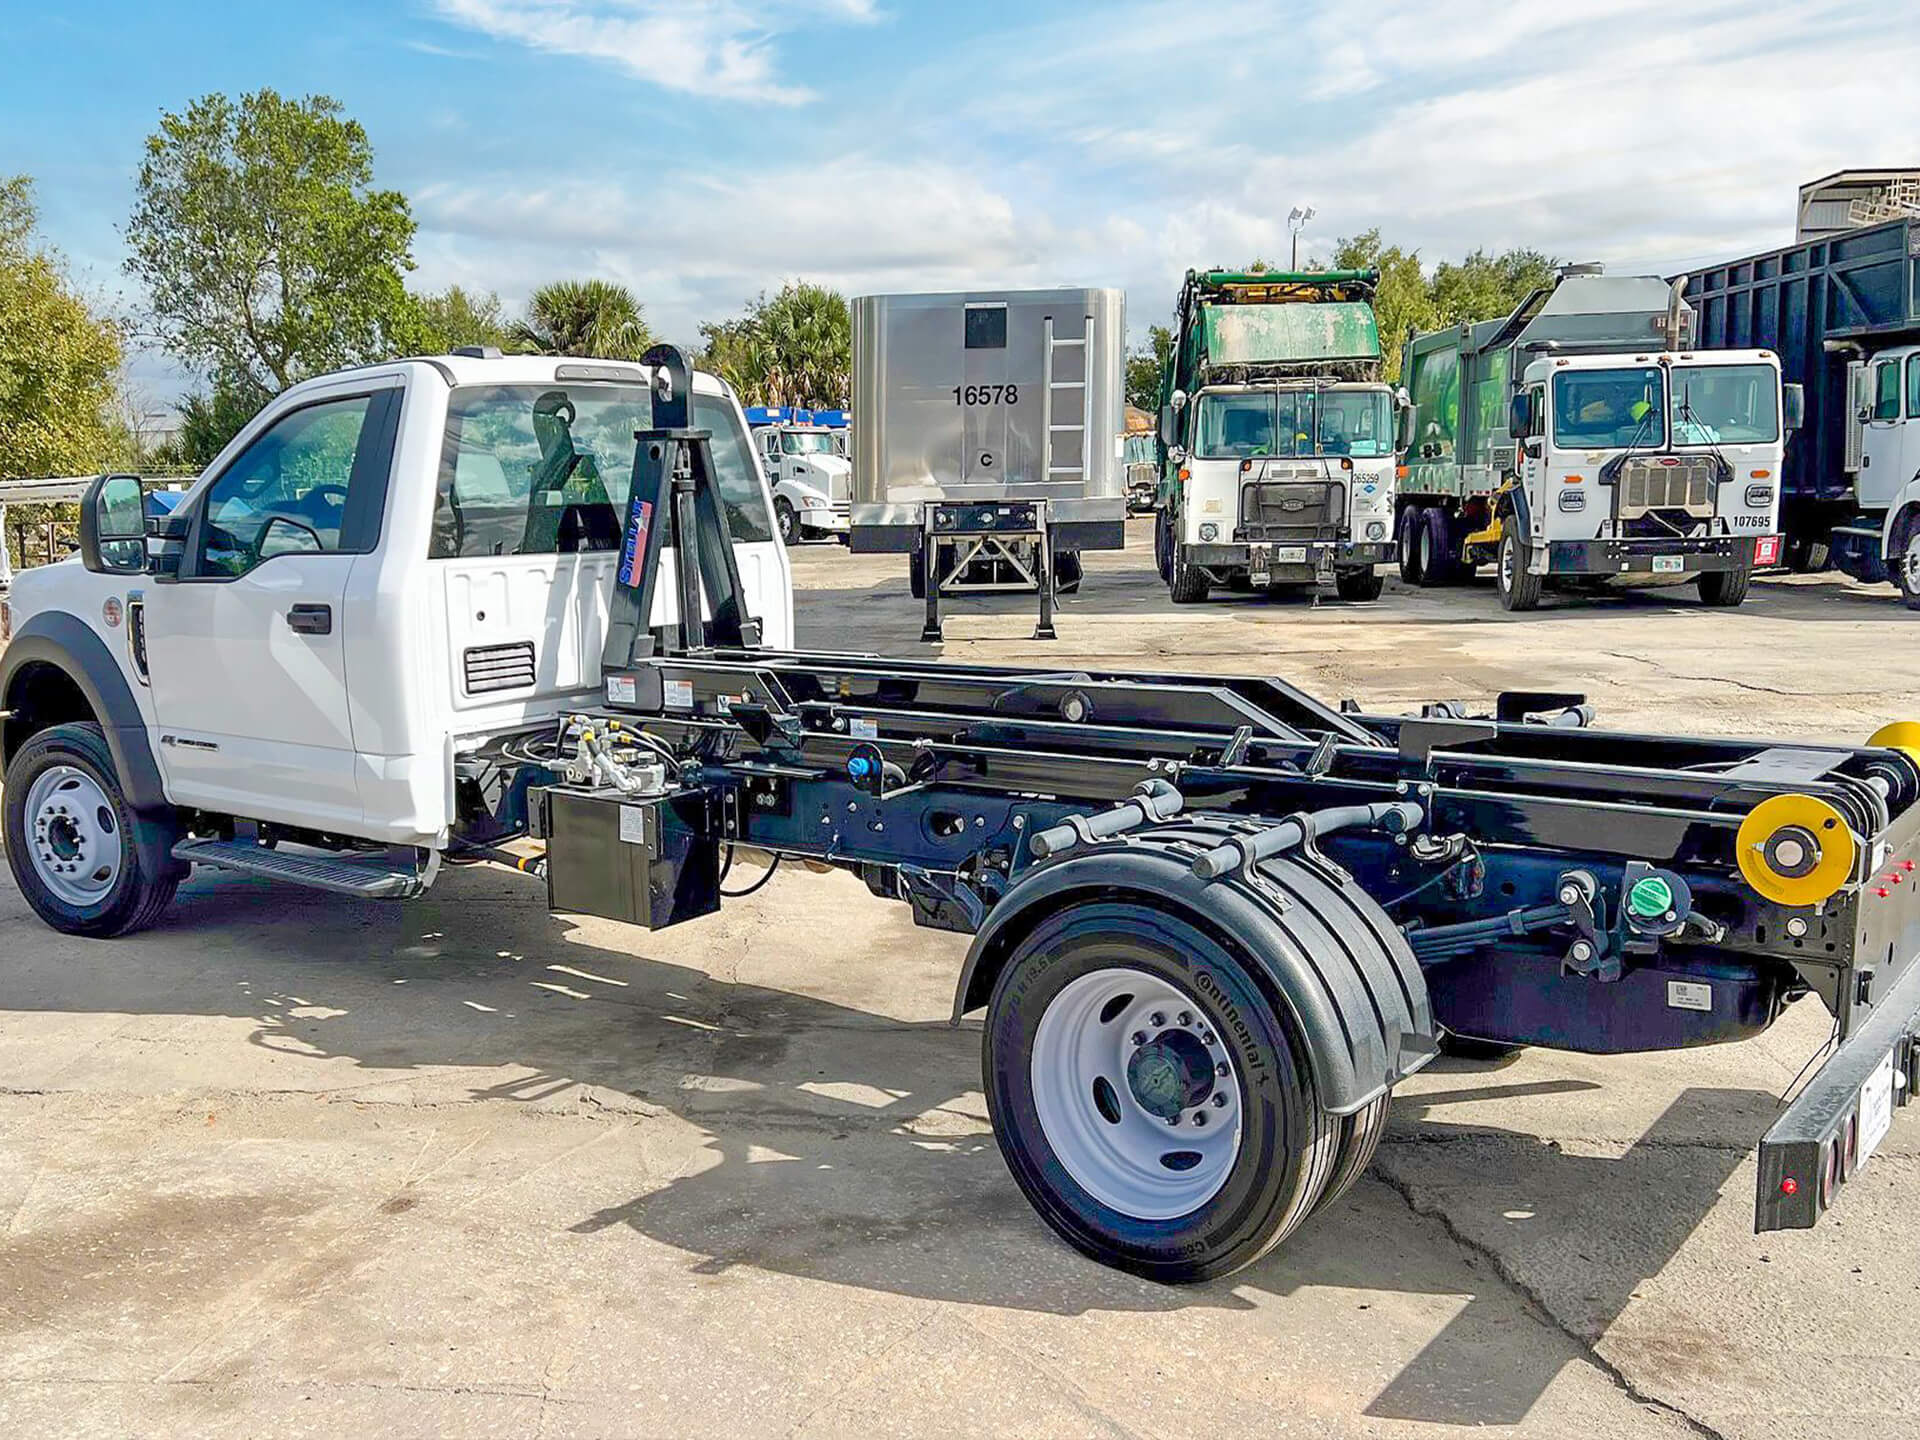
x=1238 y=425
x=1607 y=409
x=806 y=442
x=545 y=469
x=1725 y=404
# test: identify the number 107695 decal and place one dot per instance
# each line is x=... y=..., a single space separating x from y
x=986 y=394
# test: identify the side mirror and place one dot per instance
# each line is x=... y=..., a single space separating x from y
x=286 y=536
x=1166 y=425
x=1404 y=420
x=1520 y=415
x=1179 y=399
x=113 y=526
x=1793 y=406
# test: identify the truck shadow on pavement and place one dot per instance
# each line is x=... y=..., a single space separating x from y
x=844 y=1146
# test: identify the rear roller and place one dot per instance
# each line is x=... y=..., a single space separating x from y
x=1156 y=1109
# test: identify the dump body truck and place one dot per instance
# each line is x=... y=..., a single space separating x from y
x=985 y=446
x=808 y=470
x=531 y=612
x=1277 y=436
x=1582 y=442
x=1843 y=313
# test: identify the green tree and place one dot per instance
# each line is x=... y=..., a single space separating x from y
x=584 y=317
x=457 y=316
x=209 y=419
x=264 y=247
x=1144 y=367
x=1484 y=286
x=58 y=359
x=794 y=348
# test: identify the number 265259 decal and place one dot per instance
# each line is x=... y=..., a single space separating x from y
x=986 y=394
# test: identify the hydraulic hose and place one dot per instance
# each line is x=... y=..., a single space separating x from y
x=1396 y=817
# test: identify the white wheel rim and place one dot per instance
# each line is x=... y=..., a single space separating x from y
x=1910 y=563
x=1426 y=548
x=73 y=836
x=1136 y=1094
x=1506 y=564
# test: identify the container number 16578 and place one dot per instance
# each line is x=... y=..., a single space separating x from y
x=986 y=394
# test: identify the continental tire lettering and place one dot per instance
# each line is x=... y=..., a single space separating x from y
x=1250 y=1048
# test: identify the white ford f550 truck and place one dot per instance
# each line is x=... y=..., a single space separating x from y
x=386 y=570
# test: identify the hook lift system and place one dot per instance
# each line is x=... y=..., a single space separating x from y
x=1215 y=921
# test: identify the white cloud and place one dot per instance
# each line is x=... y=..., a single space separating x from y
x=720 y=48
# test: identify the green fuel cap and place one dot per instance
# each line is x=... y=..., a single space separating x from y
x=1650 y=898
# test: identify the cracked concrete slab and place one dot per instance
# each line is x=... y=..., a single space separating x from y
x=292 y=1165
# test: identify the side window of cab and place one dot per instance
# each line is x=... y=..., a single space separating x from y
x=313 y=482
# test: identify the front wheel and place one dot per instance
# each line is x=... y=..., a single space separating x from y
x=1903 y=560
x=1358 y=585
x=1157 y=1111
x=1518 y=589
x=1162 y=547
x=73 y=842
x=1412 y=524
x=1724 y=589
x=788 y=521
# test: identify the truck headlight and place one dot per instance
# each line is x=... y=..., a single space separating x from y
x=1209 y=530
x=1376 y=530
x=1573 y=500
x=1759 y=496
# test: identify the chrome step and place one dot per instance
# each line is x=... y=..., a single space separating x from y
x=367 y=877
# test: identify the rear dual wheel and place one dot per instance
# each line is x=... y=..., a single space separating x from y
x=1155 y=1108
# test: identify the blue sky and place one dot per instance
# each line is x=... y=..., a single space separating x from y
x=702 y=150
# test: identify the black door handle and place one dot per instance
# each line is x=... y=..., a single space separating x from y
x=310 y=619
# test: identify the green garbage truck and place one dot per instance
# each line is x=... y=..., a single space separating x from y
x=1277 y=436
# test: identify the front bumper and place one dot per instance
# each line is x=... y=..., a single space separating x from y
x=1278 y=557
x=1649 y=557
x=827 y=517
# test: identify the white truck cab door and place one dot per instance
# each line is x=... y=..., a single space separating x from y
x=245 y=648
x=1890 y=439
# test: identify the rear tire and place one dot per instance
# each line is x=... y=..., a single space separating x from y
x=1723 y=589
x=1412 y=522
x=1359 y=1139
x=84 y=861
x=1518 y=589
x=1435 y=548
x=1081 y=1123
x=1358 y=586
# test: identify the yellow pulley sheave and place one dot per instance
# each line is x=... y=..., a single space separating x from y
x=1899 y=735
x=1795 y=849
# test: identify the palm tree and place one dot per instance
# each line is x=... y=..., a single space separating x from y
x=584 y=317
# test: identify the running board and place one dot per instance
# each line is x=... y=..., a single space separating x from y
x=365 y=877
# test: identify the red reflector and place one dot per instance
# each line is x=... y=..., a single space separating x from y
x=1789 y=1186
x=1766 y=550
x=1882 y=892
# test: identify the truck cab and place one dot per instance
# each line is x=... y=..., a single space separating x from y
x=1285 y=484
x=1883 y=542
x=386 y=571
x=1647 y=468
x=809 y=472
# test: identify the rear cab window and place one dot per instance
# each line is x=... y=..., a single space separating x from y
x=544 y=469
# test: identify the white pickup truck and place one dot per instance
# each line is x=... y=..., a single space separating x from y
x=387 y=571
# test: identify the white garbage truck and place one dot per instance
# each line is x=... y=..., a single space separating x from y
x=1581 y=442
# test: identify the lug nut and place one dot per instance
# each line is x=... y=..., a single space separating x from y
x=1221 y=1069
x=1173 y=1120
x=1206 y=1037
x=1139 y=1037
x=1186 y=1017
x=1219 y=1099
x=1199 y=1118
x=1156 y=1020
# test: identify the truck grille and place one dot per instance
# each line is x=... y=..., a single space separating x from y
x=500 y=667
x=840 y=489
x=1666 y=482
x=1292 y=510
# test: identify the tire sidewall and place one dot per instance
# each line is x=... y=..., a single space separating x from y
x=1277 y=1124
x=84 y=748
x=788 y=521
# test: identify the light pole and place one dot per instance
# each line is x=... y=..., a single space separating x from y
x=1296 y=222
